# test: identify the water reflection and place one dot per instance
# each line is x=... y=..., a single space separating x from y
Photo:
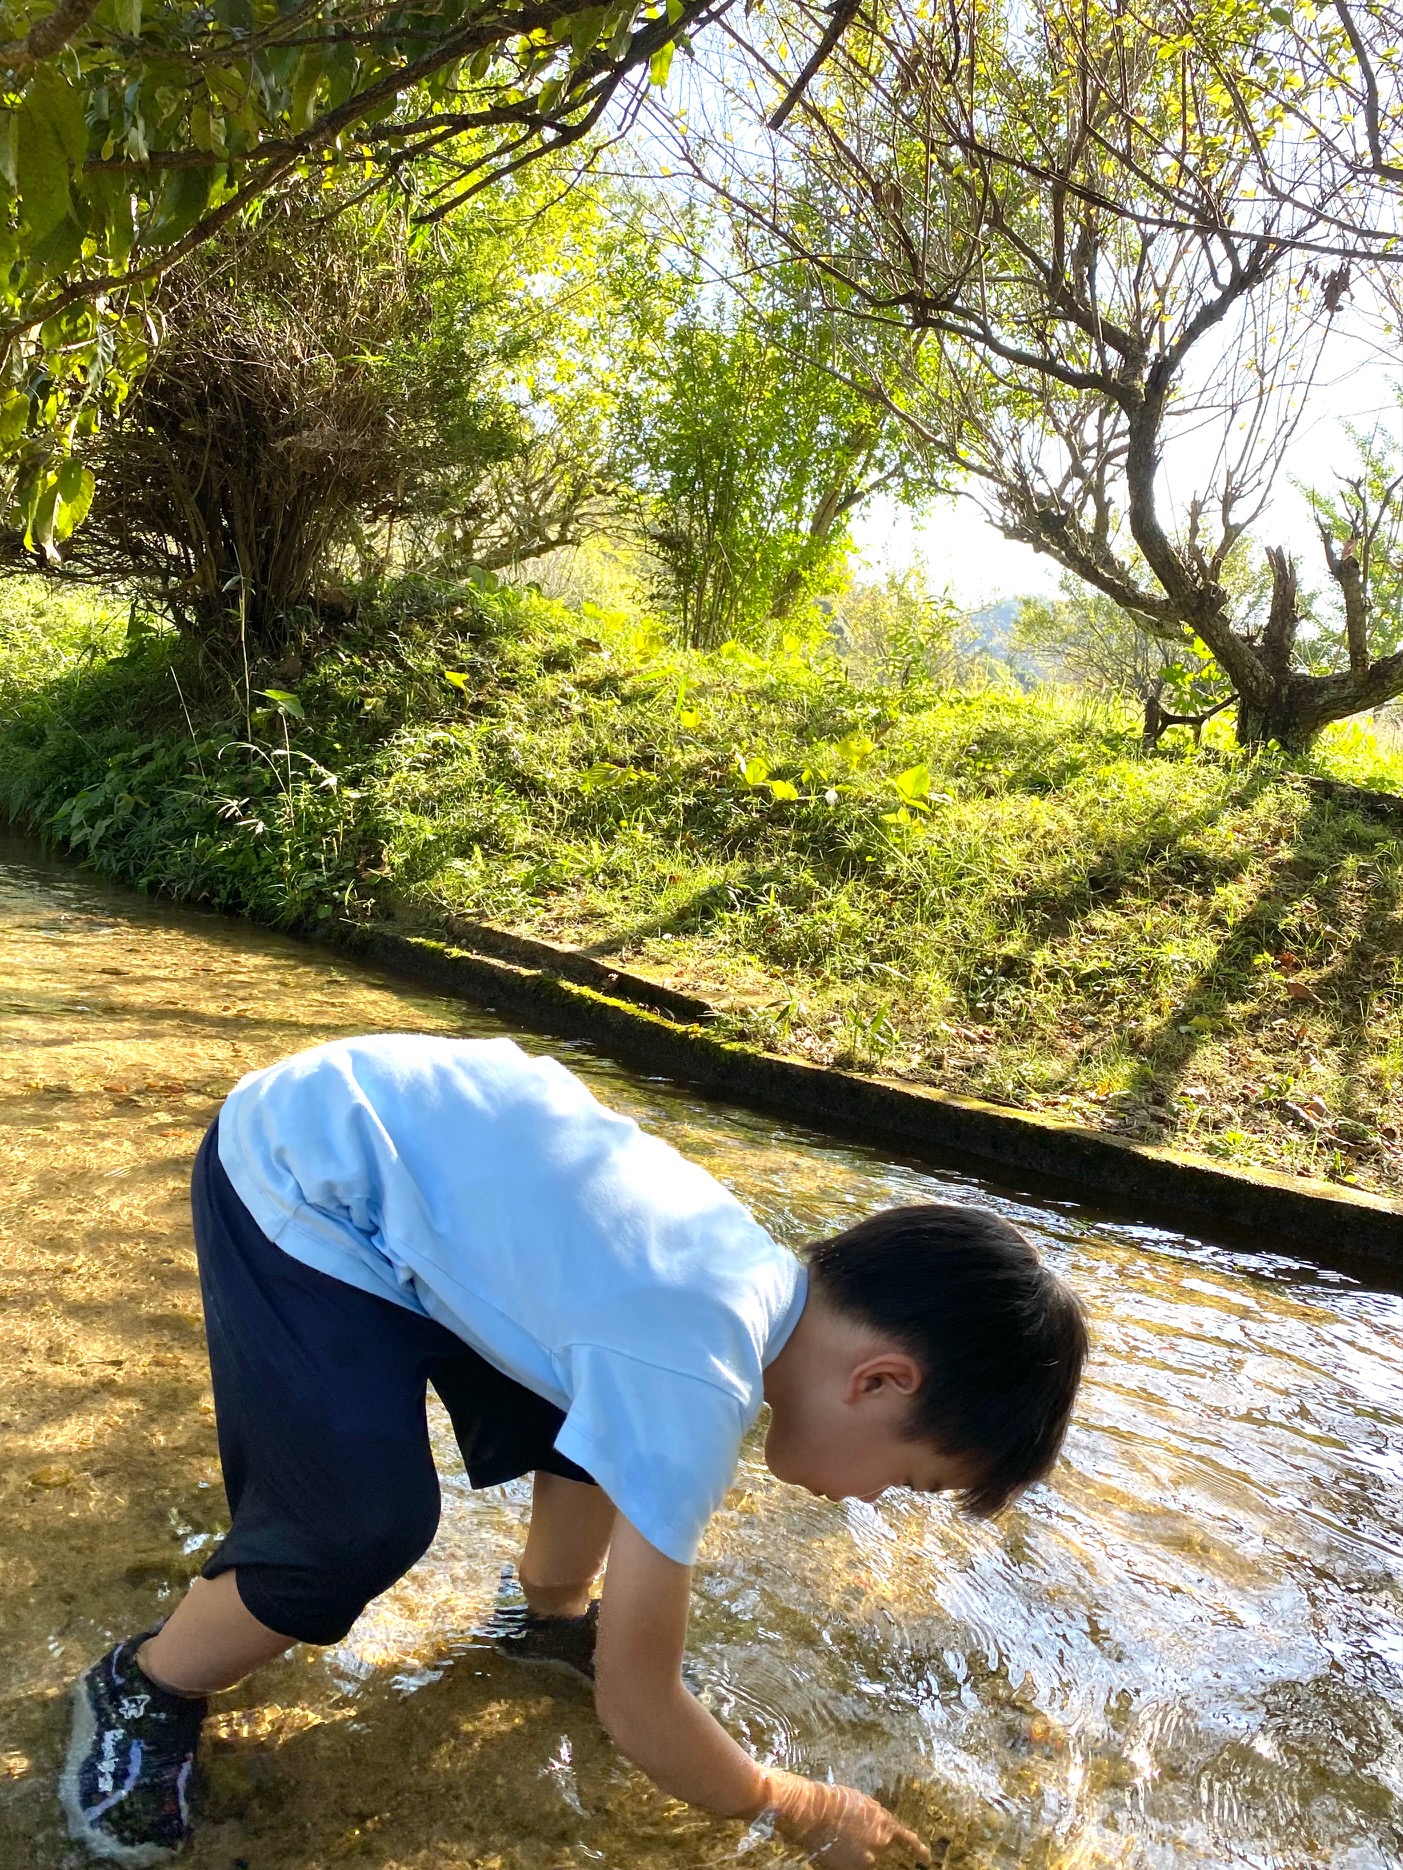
x=1190 y=1649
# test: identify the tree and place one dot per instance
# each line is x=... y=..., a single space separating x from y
x=260 y=426
x=1091 y=640
x=753 y=458
x=334 y=381
x=551 y=299
x=1103 y=250
x=131 y=135
x=1361 y=530
x=897 y=631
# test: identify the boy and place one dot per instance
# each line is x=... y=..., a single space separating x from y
x=379 y=1214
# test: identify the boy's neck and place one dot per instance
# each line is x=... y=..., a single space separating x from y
x=807 y=1341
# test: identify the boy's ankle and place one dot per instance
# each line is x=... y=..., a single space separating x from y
x=556 y=1600
x=157 y=1680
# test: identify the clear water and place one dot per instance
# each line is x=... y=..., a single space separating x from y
x=1189 y=1649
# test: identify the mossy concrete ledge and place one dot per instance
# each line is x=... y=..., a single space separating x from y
x=1316 y=1216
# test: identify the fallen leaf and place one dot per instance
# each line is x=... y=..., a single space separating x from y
x=54 y=1475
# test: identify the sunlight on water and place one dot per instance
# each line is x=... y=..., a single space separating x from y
x=1187 y=1650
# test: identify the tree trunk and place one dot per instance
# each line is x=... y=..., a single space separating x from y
x=1285 y=719
x=1152 y=695
x=1296 y=707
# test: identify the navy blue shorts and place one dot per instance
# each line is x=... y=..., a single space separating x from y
x=319 y=1398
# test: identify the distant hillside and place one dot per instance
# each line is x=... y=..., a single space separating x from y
x=989 y=634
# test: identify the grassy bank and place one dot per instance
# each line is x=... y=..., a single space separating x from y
x=991 y=892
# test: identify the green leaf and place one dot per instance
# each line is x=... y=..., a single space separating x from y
x=54 y=251
x=231 y=92
x=183 y=200
x=40 y=535
x=288 y=703
x=14 y=417
x=41 y=170
x=305 y=85
x=9 y=147
x=77 y=504
x=70 y=478
x=75 y=487
x=128 y=16
x=753 y=771
x=660 y=64
x=856 y=749
x=618 y=27
x=62 y=106
x=783 y=789
x=585 y=28
x=914 y=784
x=342 y=70
x=458 y=677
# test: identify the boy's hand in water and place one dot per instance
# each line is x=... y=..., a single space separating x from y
x=660 y=1727
x=840 y=1828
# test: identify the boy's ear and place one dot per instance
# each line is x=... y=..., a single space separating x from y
x=894 y=1370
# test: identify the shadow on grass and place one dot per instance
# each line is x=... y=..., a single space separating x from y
x=701 y=910
x=1157 y=847
x=1371 y=966
x=1342 y=996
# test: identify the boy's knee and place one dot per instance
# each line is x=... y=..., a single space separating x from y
x=376 y=1551
x=316 y=1595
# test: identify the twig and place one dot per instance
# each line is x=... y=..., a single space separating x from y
x=844 y=13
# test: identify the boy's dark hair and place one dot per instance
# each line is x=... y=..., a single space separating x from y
x=1000 y=1339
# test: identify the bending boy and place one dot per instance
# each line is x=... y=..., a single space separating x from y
x=379 y=1214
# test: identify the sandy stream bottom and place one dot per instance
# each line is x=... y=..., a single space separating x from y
x=1188 y=1650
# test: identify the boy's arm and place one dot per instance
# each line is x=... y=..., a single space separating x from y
x=638 y=1684
x=664 y=1730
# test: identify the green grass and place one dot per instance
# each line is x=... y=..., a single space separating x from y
x=1185 y=948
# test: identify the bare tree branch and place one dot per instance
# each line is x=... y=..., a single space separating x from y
x=844 y=13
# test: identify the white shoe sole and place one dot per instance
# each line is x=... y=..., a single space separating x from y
x=80 y=1827
x=558 y=1663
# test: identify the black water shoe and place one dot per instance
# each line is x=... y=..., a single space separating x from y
x=550 y=1642
x=126 y=1782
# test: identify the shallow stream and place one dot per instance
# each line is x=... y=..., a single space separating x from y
x=1188 y=1650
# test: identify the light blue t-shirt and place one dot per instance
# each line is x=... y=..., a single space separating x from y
x=491 y=1191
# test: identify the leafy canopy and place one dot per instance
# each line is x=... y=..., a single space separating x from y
x=132 y=131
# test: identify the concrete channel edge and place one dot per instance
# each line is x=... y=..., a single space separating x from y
x=1318 y=1216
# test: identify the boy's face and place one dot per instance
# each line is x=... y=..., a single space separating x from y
x=843 y=1433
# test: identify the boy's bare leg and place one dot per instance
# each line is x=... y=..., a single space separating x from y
x=209 y=1641
x=568 y=1541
